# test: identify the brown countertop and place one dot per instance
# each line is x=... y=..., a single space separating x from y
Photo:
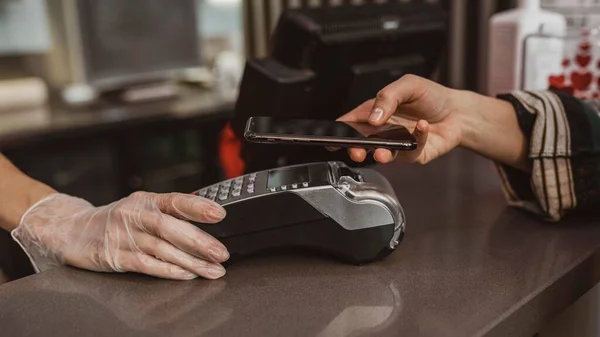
x=468 y=266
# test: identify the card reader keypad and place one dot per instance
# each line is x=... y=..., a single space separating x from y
x=273 y=182
x=234 y=188
x=245 y=186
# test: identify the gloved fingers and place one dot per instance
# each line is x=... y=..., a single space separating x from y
x=165 y=251
x=186 y=237
x=143 y=263
x=190 y=207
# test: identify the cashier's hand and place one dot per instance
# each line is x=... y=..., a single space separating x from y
x=424 y=107
x=145 y=233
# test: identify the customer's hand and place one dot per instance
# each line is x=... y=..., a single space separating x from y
x=145 y=233
x=426 y=108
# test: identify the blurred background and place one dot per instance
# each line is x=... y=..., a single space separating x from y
x=103 y=98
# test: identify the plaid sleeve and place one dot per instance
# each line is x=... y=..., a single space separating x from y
x=564 y=148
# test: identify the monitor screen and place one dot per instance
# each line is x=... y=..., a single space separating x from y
x=125 y=38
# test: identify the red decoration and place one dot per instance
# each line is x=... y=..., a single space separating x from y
x=229 y=153
x=583 y=60
x=585 y=46
x=557 y=81
x=581 y=81
x=579 y=78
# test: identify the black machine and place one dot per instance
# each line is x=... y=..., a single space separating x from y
x=325 y=61
x=327 y=207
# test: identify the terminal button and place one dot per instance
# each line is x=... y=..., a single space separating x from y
x=237 y=184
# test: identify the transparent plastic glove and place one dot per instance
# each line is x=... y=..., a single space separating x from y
x=144 y=233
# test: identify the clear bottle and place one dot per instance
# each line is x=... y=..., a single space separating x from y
x=508 y=31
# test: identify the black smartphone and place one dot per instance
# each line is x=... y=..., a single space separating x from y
x=328 y=133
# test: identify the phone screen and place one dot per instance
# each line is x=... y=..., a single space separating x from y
x=328 y=130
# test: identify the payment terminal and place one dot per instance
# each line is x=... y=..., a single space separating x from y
x=326 y=207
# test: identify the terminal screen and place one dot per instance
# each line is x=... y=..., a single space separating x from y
x=288 y=176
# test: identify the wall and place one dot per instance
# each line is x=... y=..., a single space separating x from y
x=23 y=27
x=220 y=28
x=23 y=30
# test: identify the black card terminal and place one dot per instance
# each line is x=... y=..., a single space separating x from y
x=351 y=214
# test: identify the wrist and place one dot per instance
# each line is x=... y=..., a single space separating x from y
x=462 y=109
x=43 y=230
x=489 y=127
x=37 y=192
x=25 y=192
x=475 y=114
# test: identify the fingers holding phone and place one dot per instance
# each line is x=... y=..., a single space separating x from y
x=433 y=113
x=384 y=156
x=364 y=114
x=429 y=118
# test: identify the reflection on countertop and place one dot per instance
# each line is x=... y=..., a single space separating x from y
x=137 y=305
x=468 y=266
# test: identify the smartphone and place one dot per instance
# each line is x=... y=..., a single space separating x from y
x=328 y=133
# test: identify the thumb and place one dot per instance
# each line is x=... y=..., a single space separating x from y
x=189 y=207
x=421 y=133
x=360 y=114
x=392 y=96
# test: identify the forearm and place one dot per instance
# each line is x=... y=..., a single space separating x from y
x=491 y=129
x=552 y=140
x=18 y=192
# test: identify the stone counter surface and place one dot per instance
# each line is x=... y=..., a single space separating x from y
x=468 y=266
